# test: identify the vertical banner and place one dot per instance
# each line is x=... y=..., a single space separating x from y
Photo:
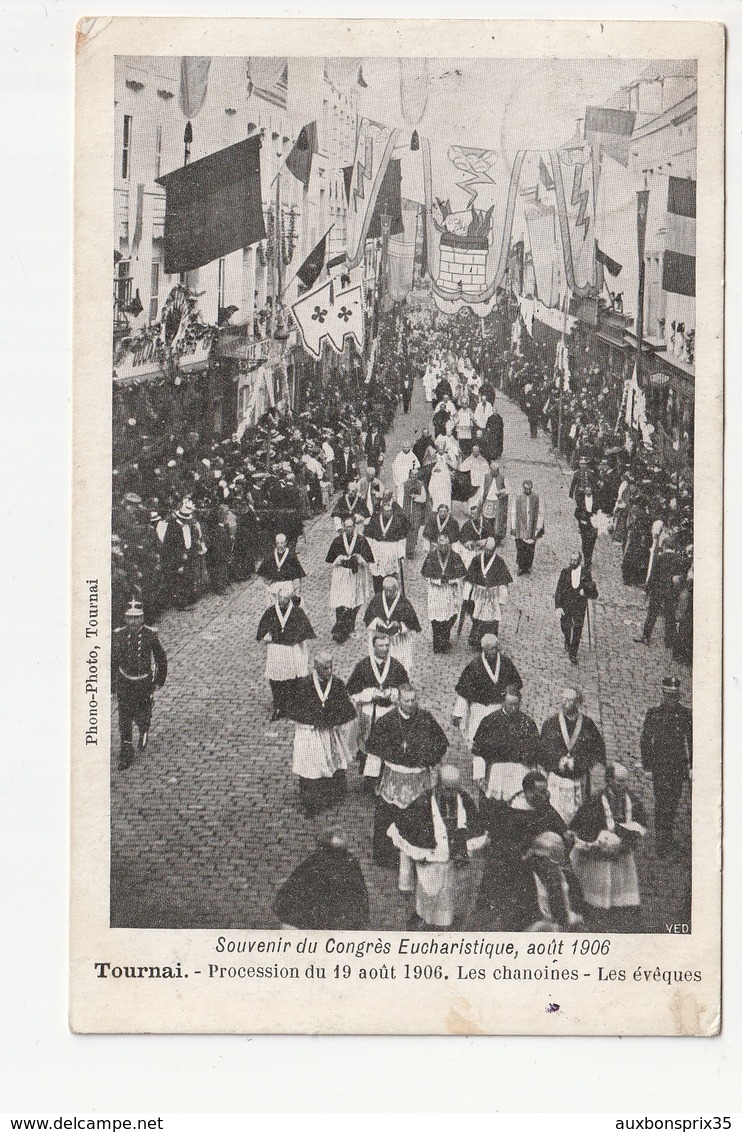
x=374 y=147
x=642 y=204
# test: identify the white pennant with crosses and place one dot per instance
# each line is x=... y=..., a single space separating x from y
x=331 y=315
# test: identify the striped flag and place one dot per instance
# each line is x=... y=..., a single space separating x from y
x=610 y=131
x=679 y=268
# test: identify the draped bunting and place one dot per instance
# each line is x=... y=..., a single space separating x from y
x=374 y=147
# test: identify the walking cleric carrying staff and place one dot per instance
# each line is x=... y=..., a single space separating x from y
x=139 y=667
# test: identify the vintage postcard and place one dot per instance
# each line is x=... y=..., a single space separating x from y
x=398 y=446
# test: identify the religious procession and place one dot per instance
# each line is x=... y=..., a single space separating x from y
x=402 y=484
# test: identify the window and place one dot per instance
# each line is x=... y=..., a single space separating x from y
x=154 y=292
x=220 y=285
x=121 y=290
x=158 y=151
x=126 y=149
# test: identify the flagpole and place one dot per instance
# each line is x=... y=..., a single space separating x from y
x=642 y=203
x=276 y=256
x=561 y=377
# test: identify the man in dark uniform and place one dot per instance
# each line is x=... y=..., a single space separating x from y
x=662 y=589
x=667 y=754
x=139 y=667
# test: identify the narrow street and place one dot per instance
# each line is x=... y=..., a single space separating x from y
x=206 y=825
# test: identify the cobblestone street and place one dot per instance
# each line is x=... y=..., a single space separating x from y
x=205 y=825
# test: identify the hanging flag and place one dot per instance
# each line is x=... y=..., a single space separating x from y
x=347 y=181
x=299 y=160
x=516 y=267
x=611 y=266
x=414 y=88
x=213 y=207
x=543 y=234
x=642 y=207
x=469 y=222
x=545 y=176
x=610 y=131
x=194 y=81
x=329 y=315
x=401 y=256
x=310 y=270
x=374 y=147
x=573 y=170
x=679 y=268
x=138 y=225
x=388 y=202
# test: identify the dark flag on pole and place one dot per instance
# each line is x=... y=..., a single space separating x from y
x=299 y=160
x=611 y=265
x=213 y=207
x=545 y=176
x=311 y=269
x=388 y=201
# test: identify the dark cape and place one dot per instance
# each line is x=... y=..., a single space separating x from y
x=403 y=614
x=363 y=676
x=296 y=630
x=398 y=527
x=502 y=738
x=288 y=571
x=590 y=819
x=343 y=509
x=415 y=823
x=361 y=547
x=469 y=533
x=327 y=892
x=475 y=684
x=454 y=567
x=431 y=530
x=305 y=705
x=497 y=575
x=588 y=750
x=417 y=742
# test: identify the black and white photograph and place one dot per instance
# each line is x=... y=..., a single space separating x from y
x=403 y=496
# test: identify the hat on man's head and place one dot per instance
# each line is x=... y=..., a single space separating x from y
x=134 y=608
x=671 y=684
x=132 y=497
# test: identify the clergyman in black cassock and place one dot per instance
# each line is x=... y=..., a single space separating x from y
x=409 y=742
x=322 y=712
x=326 y=892
x=286 y=628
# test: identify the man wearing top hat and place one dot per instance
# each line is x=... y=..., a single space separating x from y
x=182 y=542
x=139 y=668
x=667 y=754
